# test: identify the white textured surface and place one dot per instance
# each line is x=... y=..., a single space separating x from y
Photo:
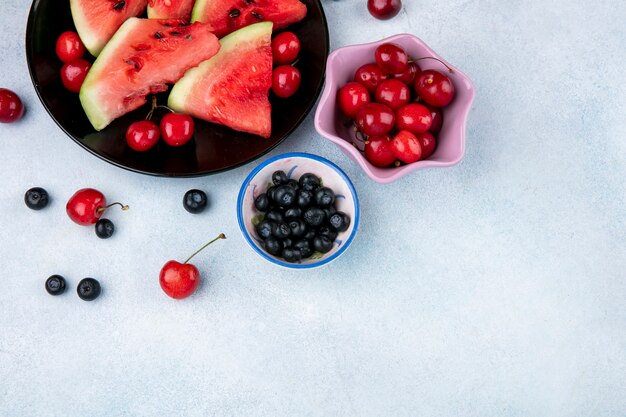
x=494 y=288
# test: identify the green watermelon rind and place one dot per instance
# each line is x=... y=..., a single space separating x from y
x=230 y=43
x=198 y=10
x=88 y=93
x=91 y=42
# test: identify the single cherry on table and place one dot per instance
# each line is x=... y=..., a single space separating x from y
x=86 y=206
x=384 y=9
x=11 y=107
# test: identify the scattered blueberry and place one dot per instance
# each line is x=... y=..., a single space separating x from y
x=55 y=285
x=88 y=289
x=36 y=198
x=195 y=201
x=104 y=228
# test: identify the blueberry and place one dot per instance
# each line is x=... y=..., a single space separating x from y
x=305 y=248
x=309 y=235
x=324 y=197
x=340 y=221
x=329 y=232
x=298 y=227
x=274 y=215
x=305 y=198
x=329 y=211
x=55 y=285
x=287 y=242
x=36 y=198
x=264 y=229
x=281 y=230
x=262 y=202
x=104 y=228
x=292 y=255
x=279 y=177
x=314 y=216
x=273 y=246
x=322 y=244
x=309 y=182
x=293 y=184
x=195 y=201
x=270 y=194
x=88 y=289
x=293 y=213
x=285 y=196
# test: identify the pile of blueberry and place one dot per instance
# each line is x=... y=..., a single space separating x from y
x=299 y=217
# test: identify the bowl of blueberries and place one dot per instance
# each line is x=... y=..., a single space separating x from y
x=298 y=210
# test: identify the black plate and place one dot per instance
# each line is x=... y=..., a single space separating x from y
x=214 y=148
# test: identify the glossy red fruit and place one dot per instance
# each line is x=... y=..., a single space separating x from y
x=406 y=147
x=437 y=116
x=176 y=128
x=86 y=206
x=428 y=143
x=11 y=107
x=434 y=88
x=285 y=48
x=179 y=280
x=375 y=119
x=414 y=117
x=69 y=47
x=142 y=135
x=285 y=81
x=408 y=76
x=351 y=97
x=378 y=151
x=73 y=74
x=393 y=93
x=370 y=75
x=384 y=9
x=391 y=58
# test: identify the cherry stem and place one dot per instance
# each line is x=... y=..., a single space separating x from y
x=221 y=236
x=293 y=64
x=436 y=59
x=155 y=106
x=101 y=209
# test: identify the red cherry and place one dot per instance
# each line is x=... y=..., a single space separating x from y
x=437 y=116
x=370 y=75
x=11 y=107
x=142 y=135
x=285 y=81
x=428 y=143
x=393 y=93
x=384 y=9
x=87 y=205
x=378 y=151
x=69 y=47
x=285 y=48
x=406 y=147
x=181 y=280
x=434 y=88
x=391 y=58
x=351 y=97
x=176 y=128
x=408 y=76
x=73 y=74
x=414 y=117
x=375 y=119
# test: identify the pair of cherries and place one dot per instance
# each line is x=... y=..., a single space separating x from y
x=71 y=50
x=286 y=77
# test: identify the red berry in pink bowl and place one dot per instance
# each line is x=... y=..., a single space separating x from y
x=392 y=58
x=375 y=119
x=370 y=75
x=414 y=117
x=434 y=88
x=378 y=151
x=351 y=97
x=393 y=93
x=406 y=147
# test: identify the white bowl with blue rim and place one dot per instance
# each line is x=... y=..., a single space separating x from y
x=295 y=165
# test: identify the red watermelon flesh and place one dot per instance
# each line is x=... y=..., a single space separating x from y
x=232 y=87
x=143 y=57
x=227 y=16
x=97 y=20
x=170 y=9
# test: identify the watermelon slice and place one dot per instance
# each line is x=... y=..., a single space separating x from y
x=227 y=16
x=97 y=20
x=170 y=9
x=141 y=58
x=232 y=87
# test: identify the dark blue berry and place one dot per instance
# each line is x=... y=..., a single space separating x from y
x=287 y=242
x=293 y=213
x=293 y=184
x=285 y=196
x=329 y=232
x=36 y=198
x=55 y=285
x=324 y=197
x=264 y=228
x=195 y=201
x=305 y=198
x=340 y=221
x=322 y=244
x=273 y=246
x=292 y=255
x=262 y=202
x=310 y=235
x=104 y=228
x=314 y=216
x=88 y=289
x=274 y=215
x=305 y=248
x=279 y=177
x=309 y=182
x=298 y=227
x=281 y=230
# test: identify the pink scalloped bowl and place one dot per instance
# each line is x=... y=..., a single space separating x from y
x=331 y=123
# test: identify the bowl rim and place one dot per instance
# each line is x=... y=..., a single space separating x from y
x=330 y=85
x=317 y=158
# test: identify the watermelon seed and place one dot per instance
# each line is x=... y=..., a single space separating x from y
x=249 y=1
x=158 y=35
x=188 y=36
x=119 y=5
x=174 y=33
x=257 y=15
x=234 y=13
x=183 y=24
x=134 y=63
